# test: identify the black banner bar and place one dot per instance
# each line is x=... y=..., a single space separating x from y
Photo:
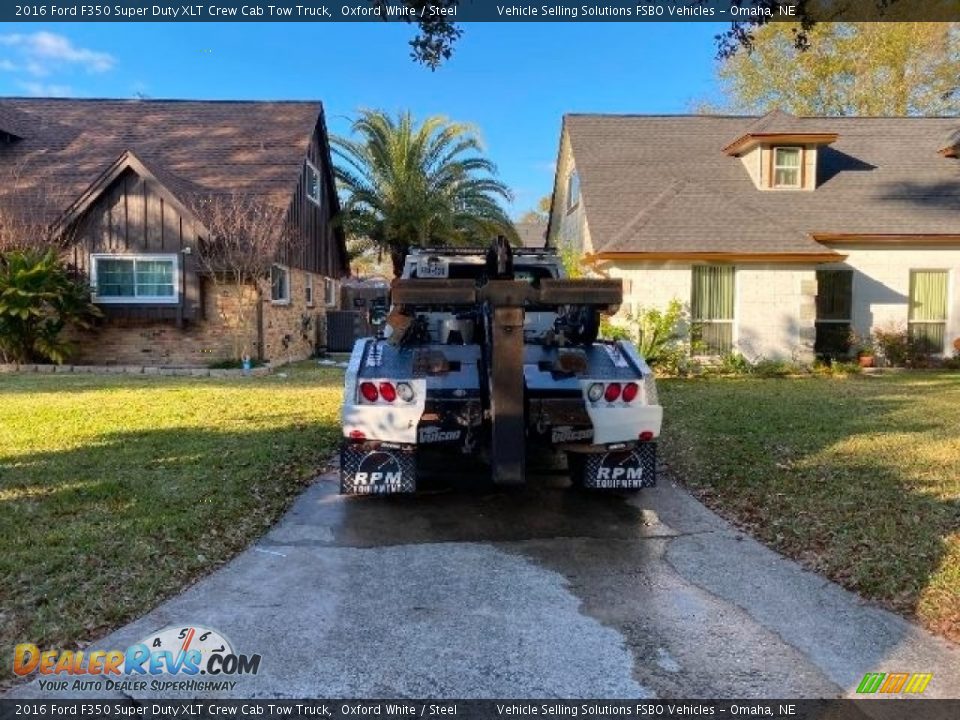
x=879 y=709
x=477 y=10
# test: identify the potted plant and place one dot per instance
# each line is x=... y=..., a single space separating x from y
x=863 y=346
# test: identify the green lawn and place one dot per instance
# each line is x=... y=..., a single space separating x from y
x=117 y=491
x=859 y=478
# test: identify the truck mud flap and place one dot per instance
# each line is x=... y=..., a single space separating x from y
x=367 y=469
x=622 y=469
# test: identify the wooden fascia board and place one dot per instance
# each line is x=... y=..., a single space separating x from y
x=792 y=258
x=886 y=239
x=749 y=140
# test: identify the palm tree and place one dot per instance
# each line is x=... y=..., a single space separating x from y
x=408 y=184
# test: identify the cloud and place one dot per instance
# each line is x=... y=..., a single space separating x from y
x=40 y=89
x=41 y=53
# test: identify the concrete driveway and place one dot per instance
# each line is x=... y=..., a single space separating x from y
x=538 y=592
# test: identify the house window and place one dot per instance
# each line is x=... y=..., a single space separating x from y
x=786 y=167
x=308 y=290
x=928 y=309
x=313 y=183
x=279 y=284
x=711 y=309
x=147 y=279
x=573 y=190
x=329 y=292
x=834 y=312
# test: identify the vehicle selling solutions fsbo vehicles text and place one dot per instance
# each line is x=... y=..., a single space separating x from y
x=573 y=12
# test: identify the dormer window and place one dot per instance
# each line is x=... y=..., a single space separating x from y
x=786 y=167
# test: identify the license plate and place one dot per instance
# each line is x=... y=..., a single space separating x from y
x=432 y=268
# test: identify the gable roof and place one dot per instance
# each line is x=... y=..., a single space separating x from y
x=662 y=184
x=191 y=147
x=532 y=232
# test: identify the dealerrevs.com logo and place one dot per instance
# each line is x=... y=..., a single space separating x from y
x=188 y=658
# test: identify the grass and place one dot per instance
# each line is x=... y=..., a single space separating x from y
x=118 y=491
x=857 y=477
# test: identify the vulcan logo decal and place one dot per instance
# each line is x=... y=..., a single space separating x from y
x=436 y=435
x=568 y=434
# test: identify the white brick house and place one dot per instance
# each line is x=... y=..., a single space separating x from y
x=780 y=234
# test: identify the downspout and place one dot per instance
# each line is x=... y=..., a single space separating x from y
x=259 y=323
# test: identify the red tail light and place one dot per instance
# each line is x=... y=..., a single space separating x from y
x=612 y=392
x=388 y=392
x=646 y=436
x=357 y=435
x=630 y=392
x=369 y=391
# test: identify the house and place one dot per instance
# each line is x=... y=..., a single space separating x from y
x=532 y=231
x=123 y=187
x=780 y=234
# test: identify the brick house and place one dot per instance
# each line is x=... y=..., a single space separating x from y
x=120 y=183
x=780 y=234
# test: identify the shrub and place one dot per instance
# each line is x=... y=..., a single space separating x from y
x=657 y=334
x=734 y=363
x=899 y=349
x=38 y=299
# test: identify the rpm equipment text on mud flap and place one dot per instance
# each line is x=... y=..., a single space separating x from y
x=622 y=470
x=369 y=470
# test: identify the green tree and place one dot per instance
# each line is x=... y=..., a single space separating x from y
x=409 y=184
x=884 y=68
x=38 y=298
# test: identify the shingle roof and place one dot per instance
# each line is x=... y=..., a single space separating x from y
x=663 y=184
x=252 y=148
x=532 y=232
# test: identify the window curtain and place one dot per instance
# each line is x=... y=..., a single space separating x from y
x=787 y=158
x=928 y=295
x=154 y=278
x=712 y=293
x=115 y=278
x=928 y=309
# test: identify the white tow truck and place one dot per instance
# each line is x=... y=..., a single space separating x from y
x=484 y=352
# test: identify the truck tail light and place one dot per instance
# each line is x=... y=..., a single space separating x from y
x=369 y=392
x=645 y=436
x=595 y=392
x=405 y=391
x=388 y=392
x=630 y=392
x=357 y=435
x=612 y=392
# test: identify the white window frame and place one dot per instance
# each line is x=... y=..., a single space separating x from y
x=330 y=292
x=308 y=290
x=573 y=179
x=306 y=180
x=775 y=167
x=136 y=299
x=283 y=300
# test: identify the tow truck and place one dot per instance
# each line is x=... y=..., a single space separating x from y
x=485 y=352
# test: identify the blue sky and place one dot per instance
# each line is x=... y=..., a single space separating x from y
x=513 y=80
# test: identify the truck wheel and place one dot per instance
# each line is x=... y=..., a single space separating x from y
x=576 y=464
